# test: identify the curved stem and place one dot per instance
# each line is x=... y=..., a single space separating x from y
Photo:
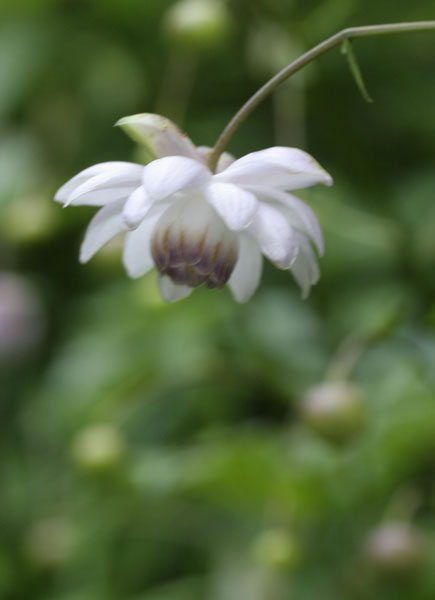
x=299 y=63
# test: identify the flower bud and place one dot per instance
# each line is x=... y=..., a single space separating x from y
x=276 y=549
x=50 y=542
x=394 y=548
x=198 y=25
x=335 y=410
x=98 y=448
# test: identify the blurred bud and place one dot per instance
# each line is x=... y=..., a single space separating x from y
x=22 y=319
x=276 y=549
x=336 y=410
x=50 y=542
x=198 y=25
x=394 y=547
x=98 y=448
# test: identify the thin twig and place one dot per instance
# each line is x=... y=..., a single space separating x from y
x=299 y=63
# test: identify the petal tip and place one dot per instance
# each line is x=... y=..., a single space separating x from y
x=129 y=224
x=328 y=180
x=158 y=134
x=137 y=127
x=131 y=119
x=61 y=195
x=84 y=258
x=130 y=273
x=243 y=299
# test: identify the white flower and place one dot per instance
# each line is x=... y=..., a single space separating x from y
x=198 y=227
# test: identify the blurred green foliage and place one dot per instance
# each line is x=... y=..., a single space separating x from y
x=160 y=452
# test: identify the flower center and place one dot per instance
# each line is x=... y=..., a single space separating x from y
x=192 y=245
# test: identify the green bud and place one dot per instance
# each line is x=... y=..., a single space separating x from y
x=98 y=448
x=335 y=410
x=50 y=542
x=276 y=549
x=394 y=548
x=198 y=25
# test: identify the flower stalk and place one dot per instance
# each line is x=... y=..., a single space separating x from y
x=299 y=63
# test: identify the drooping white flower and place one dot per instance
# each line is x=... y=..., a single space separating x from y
x=199 y=227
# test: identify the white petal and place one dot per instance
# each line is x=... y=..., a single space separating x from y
x=305 y=268
x=275 y=237
x=105 y=225
x=300 y=215
x=131 y=172
x=103 y=197
x=136 y=207
x=166 y=176
x=236 y=206
x=137 y=257
x=296 y=208
x=160 y=135
x=278 y=167
x=172 y=292
x=225 y=159
x=246 y=276
x=100 y=183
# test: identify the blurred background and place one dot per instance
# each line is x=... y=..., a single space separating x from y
x=206 y=450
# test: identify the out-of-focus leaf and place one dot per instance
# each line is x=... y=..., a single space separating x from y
x=20 y=165
x=186 y=589
x=371 y=313
x=113 y=82
x=23 y=49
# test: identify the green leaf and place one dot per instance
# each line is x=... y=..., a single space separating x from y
x=346 y=48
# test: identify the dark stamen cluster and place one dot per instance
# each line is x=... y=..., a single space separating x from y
x=195 y=261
